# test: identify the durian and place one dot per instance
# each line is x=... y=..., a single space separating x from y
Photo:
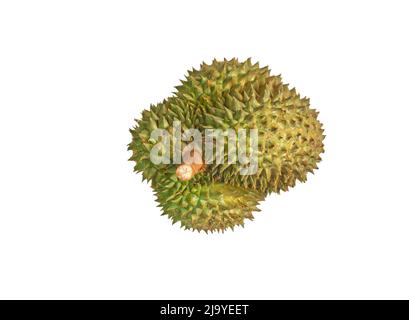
x=214 y=195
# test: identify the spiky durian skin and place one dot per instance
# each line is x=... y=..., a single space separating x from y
x=230 y=94
x=223 y=95
x=205 y=205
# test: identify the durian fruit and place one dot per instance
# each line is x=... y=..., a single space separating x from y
x=228 y=95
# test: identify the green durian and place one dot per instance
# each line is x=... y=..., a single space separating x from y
x=229 y=95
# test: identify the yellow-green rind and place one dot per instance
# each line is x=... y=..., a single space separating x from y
x=230 y=95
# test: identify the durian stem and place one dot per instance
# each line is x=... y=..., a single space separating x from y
x=194 y=165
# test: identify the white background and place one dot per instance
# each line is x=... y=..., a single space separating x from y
x=76 y=222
